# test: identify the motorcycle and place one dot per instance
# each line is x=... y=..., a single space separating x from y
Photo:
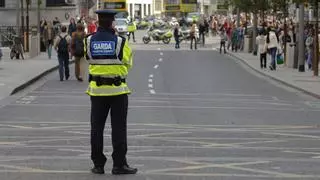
x=158 y=35
x=185 y=35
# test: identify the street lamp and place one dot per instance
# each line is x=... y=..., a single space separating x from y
x=27 y=24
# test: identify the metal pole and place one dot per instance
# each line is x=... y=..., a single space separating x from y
x=18 y=15
x=22 y=18
x=301 y=60
x=27 y=24
x=316 y=51
x=38 y=15
x=238 y=17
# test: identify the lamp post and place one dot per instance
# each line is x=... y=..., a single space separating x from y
x=27 y=24
x=22 y=18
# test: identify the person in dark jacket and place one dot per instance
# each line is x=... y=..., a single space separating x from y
x=72 y=27
x=202 y=31
x=176 y=36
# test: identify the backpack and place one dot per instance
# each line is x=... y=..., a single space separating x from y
x=63 y=46
x=79 y=46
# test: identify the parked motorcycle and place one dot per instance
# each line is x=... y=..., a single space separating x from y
x=163 y=35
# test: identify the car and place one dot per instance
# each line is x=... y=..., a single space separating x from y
x=121 y=25
x=192 y=16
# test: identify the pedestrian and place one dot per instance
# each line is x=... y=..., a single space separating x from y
x=202 y=31
x=131 y=29
x=309 y=48
x=223 y=39
x=56 y=25
x=273 y=44
x=234 y=39
x=177 y=36
x=193 y=35
x=92 y=28
x=261 y=42
x=110 y=59
x=72 y=27
x=241 y=38
x=61 y=45
x=48 y=37
x=77 y=50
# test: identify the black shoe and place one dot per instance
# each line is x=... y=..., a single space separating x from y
x=124 y=170
x=97 y=170
x=271 y=68
x=80 y=79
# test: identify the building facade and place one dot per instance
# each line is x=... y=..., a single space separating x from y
x=134 y=8
x=10 y=11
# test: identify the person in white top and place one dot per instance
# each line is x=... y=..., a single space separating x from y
x=273 y=44
x=261 y=41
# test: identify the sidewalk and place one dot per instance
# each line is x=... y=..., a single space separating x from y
x=303 y=81
x=17 y=74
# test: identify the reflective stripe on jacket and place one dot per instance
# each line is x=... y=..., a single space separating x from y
x=109 y=56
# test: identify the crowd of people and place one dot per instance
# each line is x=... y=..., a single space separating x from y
x=68 y=42
x=270 y=38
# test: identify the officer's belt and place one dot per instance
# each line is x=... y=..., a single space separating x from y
x=117 y=81
x=105 y=62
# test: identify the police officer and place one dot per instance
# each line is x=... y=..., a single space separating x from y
x=110 y=58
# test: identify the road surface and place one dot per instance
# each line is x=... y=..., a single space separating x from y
x=194 y=115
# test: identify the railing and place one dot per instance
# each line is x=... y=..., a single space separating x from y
x=9 y=34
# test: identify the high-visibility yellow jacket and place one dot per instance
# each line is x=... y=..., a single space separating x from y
x=109 y=56
x=132 y=27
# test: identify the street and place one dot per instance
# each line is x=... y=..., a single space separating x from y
x=193 y=115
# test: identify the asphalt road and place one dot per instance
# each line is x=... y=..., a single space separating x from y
x=194 y=115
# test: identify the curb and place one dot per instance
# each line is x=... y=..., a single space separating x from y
x=35 y=79
x=276 y=79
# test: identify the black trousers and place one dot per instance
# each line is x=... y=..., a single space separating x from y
x=263 y=60
x=223 y=44
x=134 y=39
x=202 y=37
x=193 y=39
x=100 y=107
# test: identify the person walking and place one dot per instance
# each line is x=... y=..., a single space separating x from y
x=261 y=42
x=202 y=31
x=176 y=35
x=131 y=29
x=77 y=50
x=273 y=44
x=309 y=48
x=110 y=59
x=72 y=27
x=61 y=45
x=48 y=37
x=234 y=39
x=223 y=39
x=193 y=35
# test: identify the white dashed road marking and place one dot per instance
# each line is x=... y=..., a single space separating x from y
x=156 y=66
x=160 y=60
x=161 y=54
x=150 y=85
x=152 y=91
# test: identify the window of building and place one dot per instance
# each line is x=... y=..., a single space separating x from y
x=149 y=9
x=158 y=5
x=145 y=9
x=131 y=10
x=51 y=3
x=2 y=3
